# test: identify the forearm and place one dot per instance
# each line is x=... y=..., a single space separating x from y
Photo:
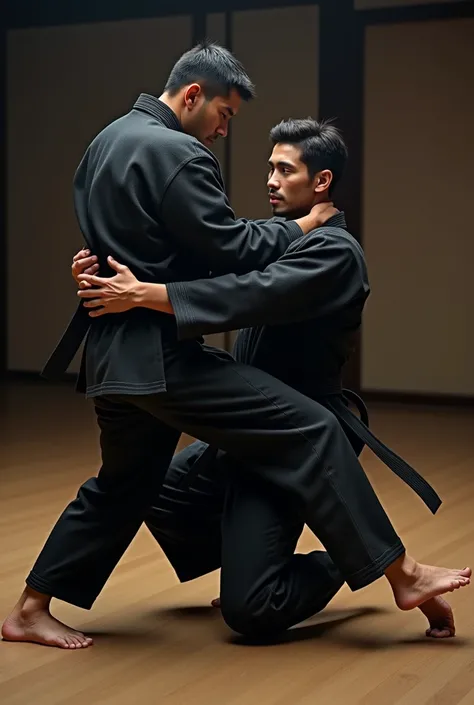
x=317 y=279
x=153 y=296
x=198 y=216
x=229 y=302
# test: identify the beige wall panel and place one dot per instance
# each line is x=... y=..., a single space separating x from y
x=418 y=183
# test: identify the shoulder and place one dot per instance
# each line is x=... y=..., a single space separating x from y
x=178 y=144
x=345 y=240
x=330 y=237
x=331 y=243
x=150 y=140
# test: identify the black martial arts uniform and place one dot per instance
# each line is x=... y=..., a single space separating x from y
x=152 y=196
x=211 y=513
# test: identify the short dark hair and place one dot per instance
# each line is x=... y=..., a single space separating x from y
x=321 y=144
x=213 y=66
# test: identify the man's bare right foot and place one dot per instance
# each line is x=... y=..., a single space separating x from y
x=31 y=621
x=440 y=616
x=414 y=583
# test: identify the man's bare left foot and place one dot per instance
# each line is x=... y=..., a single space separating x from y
x=440 y=616
x=32 y=621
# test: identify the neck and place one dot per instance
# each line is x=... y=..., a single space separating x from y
x=172 y=103
x=302 y=212
x=294 y=215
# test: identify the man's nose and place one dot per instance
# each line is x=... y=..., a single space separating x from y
x=222 y=130
x=273 y=183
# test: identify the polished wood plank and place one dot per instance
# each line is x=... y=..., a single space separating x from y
x=157 y=641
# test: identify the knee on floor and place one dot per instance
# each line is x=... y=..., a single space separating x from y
x=250 y=618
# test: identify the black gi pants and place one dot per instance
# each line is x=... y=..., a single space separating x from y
x=283 y=437
x=229 y=518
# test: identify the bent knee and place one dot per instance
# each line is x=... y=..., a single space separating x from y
x=251 y=618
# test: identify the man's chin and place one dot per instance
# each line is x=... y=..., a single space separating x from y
x=283 y=211
x=280 y=210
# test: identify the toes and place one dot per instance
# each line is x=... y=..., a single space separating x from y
x=439 y=633
x=73 y=641
x=463 y=581
x=80 y=640
x=459 y=582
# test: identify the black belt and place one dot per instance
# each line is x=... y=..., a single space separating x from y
x=69 y=344
x=359 y=404
x=401 y=468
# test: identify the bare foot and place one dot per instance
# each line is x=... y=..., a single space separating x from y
x=414 y=583
x=216 y=602
x=32 y=621
x=440 y=616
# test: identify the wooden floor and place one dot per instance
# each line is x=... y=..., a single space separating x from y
x=158 y=642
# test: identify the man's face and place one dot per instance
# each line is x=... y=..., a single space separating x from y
x=291 y=191
x=207 y=120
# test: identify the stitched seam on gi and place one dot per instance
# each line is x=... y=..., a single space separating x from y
x=370 y=570
x=145 y=386
x=127 y=389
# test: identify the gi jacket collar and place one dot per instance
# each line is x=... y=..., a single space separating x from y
x=159 y=110
x=336 y=221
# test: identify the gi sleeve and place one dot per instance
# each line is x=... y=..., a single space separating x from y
x=196 y=211
x=319 y=276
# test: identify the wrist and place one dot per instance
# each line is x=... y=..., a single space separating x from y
x=153 y=296
x=307 y=223
x=139 y=294
x=314 y=219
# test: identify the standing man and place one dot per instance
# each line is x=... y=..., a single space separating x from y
x=212 y=514
x=149 y=193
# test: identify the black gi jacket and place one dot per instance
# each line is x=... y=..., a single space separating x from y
x=153 y=197
x=304 y=311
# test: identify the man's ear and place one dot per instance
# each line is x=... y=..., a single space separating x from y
x=323 y=180
x=191 y=95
